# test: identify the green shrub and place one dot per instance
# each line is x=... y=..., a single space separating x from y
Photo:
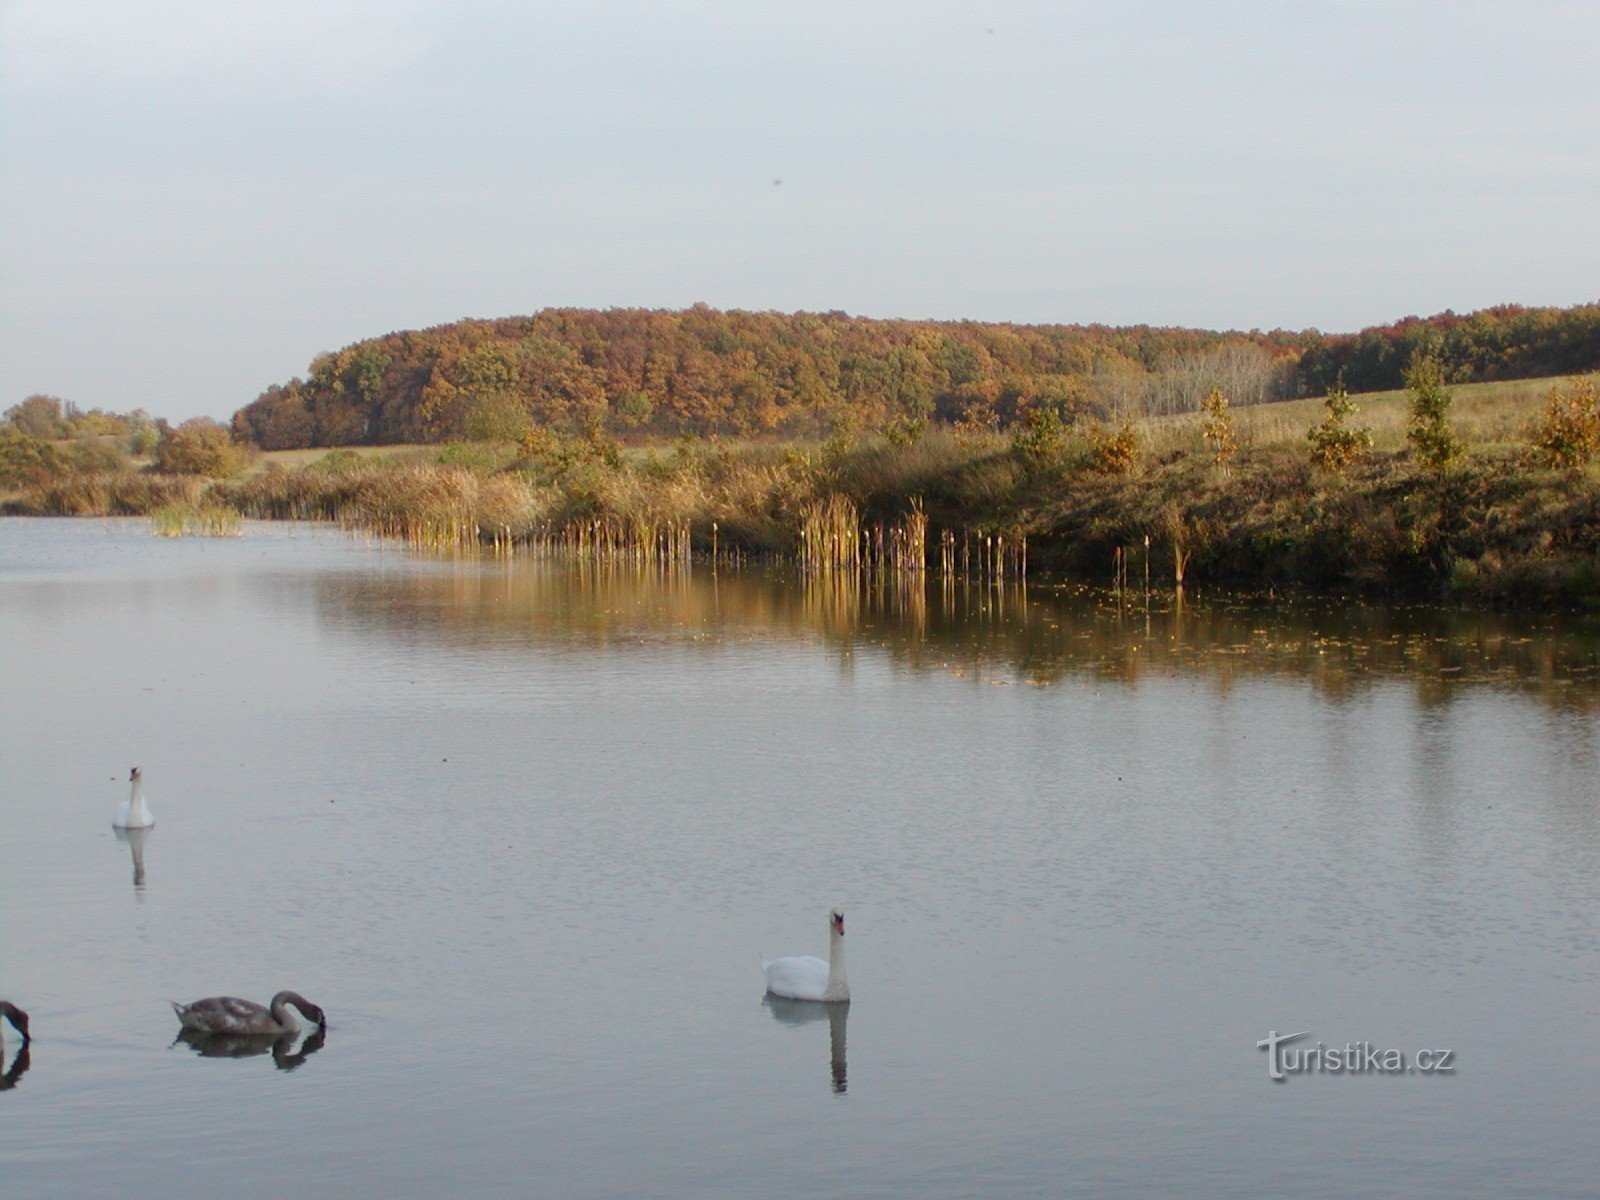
x=1433 y=440
x=28 y=461
x=498 y=417
x=97 y=455
x=202 y=446
x=1042 y=437
x=1335 y=446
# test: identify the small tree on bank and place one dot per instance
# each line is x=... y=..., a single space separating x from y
x=1114 y=451
x=1335 y=446
x=1568 y=435
x=1216 y=426
x=1042 y=437
x=1433 y=441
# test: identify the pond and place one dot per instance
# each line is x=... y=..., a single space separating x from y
x=526 y=829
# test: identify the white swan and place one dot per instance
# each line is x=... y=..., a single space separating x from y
x=808 y=978
x=134 y=813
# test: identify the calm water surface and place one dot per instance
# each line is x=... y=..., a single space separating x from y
x=525 y=832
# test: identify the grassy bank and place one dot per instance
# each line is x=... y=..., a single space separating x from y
x=1496 y=524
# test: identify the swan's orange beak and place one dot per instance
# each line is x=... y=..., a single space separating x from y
x=838 y=923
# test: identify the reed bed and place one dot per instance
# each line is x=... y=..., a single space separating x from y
x=204 y=520
x=108 y=494
x=706 y=503
x=424 y=505
x=830 y=536
x=968 y=553
x=1499 y=525
x=614 y=540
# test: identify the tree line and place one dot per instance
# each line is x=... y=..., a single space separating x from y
x=1506 y=342
x=642 y=373
x=638 y=373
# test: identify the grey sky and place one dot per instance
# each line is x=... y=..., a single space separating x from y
x=199 y=197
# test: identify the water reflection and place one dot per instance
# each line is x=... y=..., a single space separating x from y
x=1035 y=635
x=135 y=838
x=19 y=1066
x=225 y=1045
x=808 y=1012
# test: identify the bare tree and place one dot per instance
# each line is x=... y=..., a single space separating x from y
x=1243 y=371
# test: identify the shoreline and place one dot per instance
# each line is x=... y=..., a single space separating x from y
x=1495 y=531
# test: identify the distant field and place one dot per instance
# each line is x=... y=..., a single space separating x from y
x=1483 y=413
x=289 y=459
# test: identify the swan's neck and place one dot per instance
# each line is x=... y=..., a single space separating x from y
x=280 y=1008
x=136 y=809
x=838 y=981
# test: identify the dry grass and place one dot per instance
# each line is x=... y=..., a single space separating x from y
x=1486 y=416
x=290 y=460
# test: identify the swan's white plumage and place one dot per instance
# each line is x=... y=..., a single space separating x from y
x=801 y=978
x=134 y=812
x=804 y=977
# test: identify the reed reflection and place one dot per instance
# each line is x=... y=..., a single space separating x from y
x=1038 y=634
x=809 y=1012
x=136 y=838
x=18 y=1068
x=284 y=1055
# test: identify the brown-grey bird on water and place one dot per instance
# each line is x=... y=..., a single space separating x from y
x=245 y=1018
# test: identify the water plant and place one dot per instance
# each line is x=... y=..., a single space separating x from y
x=189 y=520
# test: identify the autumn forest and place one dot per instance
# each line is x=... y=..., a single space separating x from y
x=639 y=374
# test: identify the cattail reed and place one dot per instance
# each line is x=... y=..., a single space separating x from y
x=830 y=536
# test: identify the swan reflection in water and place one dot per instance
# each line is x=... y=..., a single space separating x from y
x=229 y=1045
x=807 y=1012
x=136 y=839
x=19 y=1067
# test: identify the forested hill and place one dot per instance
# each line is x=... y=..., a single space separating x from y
x=702 y=371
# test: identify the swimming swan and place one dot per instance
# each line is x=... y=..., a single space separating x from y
x=18 y=1019
x=807 y=978
x=245 y=1018
x=134 y=813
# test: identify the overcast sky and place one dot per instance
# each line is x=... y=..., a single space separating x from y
x=198 y=197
